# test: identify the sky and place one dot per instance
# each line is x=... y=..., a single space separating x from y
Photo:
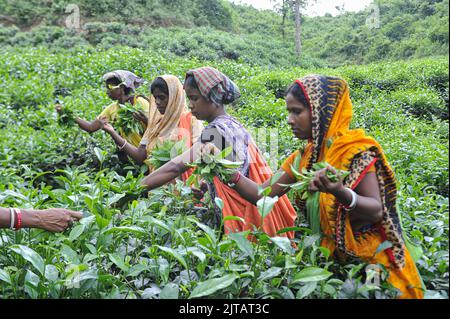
x=318 y=9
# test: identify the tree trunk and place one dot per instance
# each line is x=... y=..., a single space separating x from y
x=284 y=10
x=298 y=41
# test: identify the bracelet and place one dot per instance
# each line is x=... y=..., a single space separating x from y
x=124 y=144
x=354 y=200
x=12 y=214
x=19 y=219
x=234 y=180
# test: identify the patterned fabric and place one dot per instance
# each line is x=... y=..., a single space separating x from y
x=331 y=116
x=236 y=136
x=215 y=86
x=129 y=79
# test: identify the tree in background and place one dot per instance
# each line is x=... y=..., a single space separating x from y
x=284 y=7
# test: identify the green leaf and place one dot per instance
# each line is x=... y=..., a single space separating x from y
x=197 y=253
x=118 y=261
x=31 y=279
x=210 y=286
x=283 y=243
x=30 y=255
x=311 y=274
x=270 y=273
x=69 y=254
x=51 y=273
x=207 y=230
x=239 y=219
x=265 y=205
x=115 y=199
x=127 y=229
x=100 y=155
x=219 y=203
x=306 y=290
x=243 y=243
x=4 y=276
x=76 y=232
x=135 y=270
x=174 y=254
x=170 y=291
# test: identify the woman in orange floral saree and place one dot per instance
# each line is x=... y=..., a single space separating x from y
x=357 y=214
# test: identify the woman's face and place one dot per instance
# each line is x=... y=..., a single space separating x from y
x=299 y=119
x=115 y=92
x=200 y=107
x=161 y=100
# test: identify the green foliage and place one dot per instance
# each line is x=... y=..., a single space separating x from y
x=125 y=120
x=115 y=251
x=165 y=151
x=216 y=30
x=66 y=117
x=211 y=166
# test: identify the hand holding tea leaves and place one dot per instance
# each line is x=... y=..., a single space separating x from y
x=66 y=116
x=328 y=180
x=212 y=164
x=322 y=177
x=141 y=117
x=126 y=120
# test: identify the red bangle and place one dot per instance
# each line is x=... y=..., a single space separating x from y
x=235 y=179
x=18 y=223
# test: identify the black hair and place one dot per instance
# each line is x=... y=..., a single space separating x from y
x=190 y=82
x=116 y=81
x=298 y=94
x=159 y=84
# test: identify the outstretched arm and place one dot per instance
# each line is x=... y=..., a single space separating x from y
x=172 y=169
x=53 y=219
x=248 y=189
x=138 y=154
x=90 y=127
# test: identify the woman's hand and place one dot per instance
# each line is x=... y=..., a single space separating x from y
x=323 y=184
x=208 y=149
x=141 y=117
x=58 y=108
x=56 y=219
x=107 y=127
x=199 y=193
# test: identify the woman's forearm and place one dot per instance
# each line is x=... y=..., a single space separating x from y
x=89 y=127
x=248 y=189
x=171 y=169
x=138 y=154
x=368 y=211
x=29 y=218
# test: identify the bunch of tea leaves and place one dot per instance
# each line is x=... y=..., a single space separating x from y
x=66 y=117
x=125 y=120
x=210 y=166
x=164 y=152
x=312 y=198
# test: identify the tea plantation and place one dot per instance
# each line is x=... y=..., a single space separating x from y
x=161 y=245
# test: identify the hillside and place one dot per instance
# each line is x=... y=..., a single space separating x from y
x=215 y=30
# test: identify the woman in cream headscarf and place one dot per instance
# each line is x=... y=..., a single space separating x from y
x=169 y=119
